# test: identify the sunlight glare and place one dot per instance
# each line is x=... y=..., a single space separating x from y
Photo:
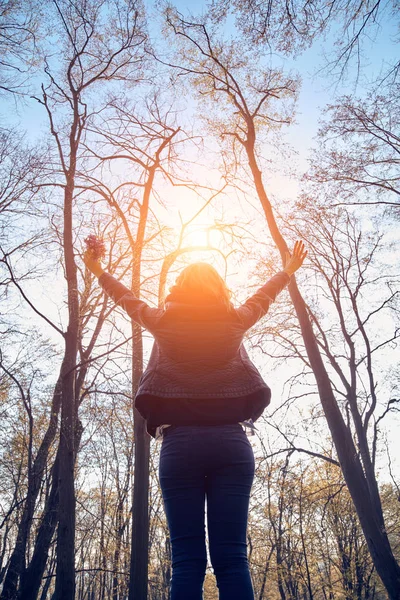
x=198 y=236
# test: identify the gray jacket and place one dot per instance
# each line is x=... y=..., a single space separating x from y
x=198 y=351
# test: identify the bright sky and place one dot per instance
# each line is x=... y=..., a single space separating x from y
x=316 y=93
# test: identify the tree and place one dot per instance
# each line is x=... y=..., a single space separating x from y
x=146 y=141
x=219 y=73
x=22 y=169
x=19 y=25
x=143 y=144
x=289 y=27
x=358 y=155
x=90 y=59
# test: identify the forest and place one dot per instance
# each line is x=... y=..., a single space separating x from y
x=220 y=131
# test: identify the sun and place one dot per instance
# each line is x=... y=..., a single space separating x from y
x=199 y=235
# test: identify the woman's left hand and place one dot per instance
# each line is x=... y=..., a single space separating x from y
x=293 y=262
x=93 y=264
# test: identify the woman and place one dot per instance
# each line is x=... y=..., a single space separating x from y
x=197 y=391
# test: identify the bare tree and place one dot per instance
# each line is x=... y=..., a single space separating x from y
x=247 y=107
x=290 y=26
x=358 y=155
x=147 y=141
x=19 y=28
x=93 y=308
x=90 y=58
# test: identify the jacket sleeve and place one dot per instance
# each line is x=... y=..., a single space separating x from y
x=137 y=309
x=257 y=305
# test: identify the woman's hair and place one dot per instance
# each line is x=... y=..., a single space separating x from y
x=202 y=282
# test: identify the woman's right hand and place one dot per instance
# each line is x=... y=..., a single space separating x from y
x=93 y=264
x=294 y=261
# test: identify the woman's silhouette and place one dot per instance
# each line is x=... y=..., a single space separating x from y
x=198 y=393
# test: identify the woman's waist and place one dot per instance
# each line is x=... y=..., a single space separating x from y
x=247 y=426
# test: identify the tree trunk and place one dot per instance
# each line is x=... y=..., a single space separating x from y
x=375 y=535
x=17 y=560
x=140 y=511
x=139 y=565
x=32 y=578
x=119 y=530
x=265 y=572
x=65 y=571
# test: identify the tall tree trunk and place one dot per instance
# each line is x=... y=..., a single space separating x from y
x=265 y=572
x=140 y=511
x=120 y=526
x=65 y=571
x=167 y=570
x=368 y=513
x=32 y=578
x=47 y=584
x=308 y=587
x=117 y=553
x=138 y=572
x=17 y=561
x=139 y=566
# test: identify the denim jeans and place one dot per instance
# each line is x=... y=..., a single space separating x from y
x=214 y=462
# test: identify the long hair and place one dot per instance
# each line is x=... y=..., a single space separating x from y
x=200 y=282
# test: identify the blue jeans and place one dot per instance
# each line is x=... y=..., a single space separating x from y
x=214 y=462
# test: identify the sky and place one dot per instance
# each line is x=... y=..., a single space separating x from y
x=317 y=91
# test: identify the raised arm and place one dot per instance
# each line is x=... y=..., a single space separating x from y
x=138 y=310
x=258 y=304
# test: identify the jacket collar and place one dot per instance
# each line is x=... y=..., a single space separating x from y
x=173 y=305
x=197 y=300
x=193 y=312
